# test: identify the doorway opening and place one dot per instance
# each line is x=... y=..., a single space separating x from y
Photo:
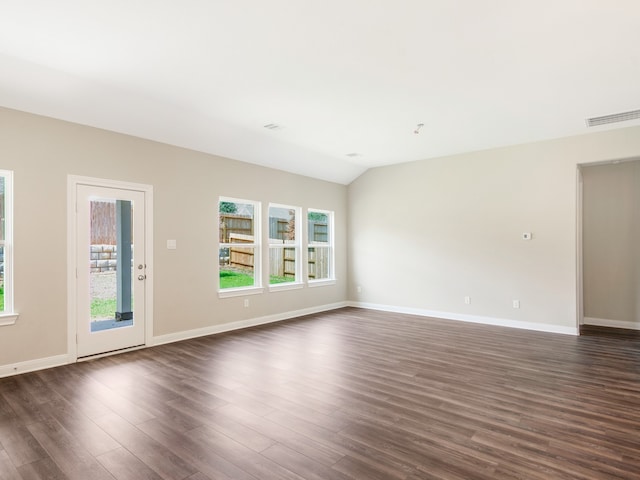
x=609 y=244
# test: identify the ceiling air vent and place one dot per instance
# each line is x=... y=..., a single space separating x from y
x=613 y=118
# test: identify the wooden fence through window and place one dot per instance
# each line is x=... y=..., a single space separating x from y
x=282 y=262
x=241 y=257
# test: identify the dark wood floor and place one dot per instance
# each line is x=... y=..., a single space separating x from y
x=342 y=395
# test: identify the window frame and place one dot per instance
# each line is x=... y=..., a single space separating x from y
x=7 y=315
x=298 y=282
x=330 y=245
x=257 y=287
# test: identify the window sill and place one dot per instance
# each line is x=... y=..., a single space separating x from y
x=322 y=283
x=7 y=319
x=278 y=287
x=239 y=292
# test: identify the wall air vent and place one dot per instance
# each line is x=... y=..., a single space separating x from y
x=613 y=118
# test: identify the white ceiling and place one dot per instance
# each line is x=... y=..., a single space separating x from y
x=339 y=76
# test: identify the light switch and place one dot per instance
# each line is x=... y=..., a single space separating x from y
x=172 y=244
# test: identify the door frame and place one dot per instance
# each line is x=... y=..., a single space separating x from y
x=72 y=322
x=579 y=249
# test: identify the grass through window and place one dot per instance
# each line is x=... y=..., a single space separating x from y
x=233 y=279
x=103 y=308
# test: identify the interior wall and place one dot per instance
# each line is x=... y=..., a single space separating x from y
x=425 y=235
x=611 y=244
x=43 y=151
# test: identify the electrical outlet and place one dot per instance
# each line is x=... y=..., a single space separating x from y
x=246 y=303
x=516 y=304
x=467 y=300
x=359 y=289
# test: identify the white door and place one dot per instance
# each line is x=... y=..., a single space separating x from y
x=111 y=269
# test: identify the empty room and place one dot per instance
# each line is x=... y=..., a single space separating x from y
x=319 y=240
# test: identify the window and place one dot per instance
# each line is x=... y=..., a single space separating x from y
x=284 y=245
x=320 y=249
x=239 y=252
x=7 y=317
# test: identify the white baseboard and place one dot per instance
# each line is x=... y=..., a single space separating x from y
x=604 y=322
x=501 y=322
x=251 y=322
x=33 y=365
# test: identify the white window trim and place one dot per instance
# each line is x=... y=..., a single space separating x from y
x=256 y=288
x=8 y=316
x=298 y=282
x=323 y=282
x=279 y=287
x=239 y=292
x=331 y=280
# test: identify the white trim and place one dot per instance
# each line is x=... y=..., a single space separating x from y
x=7 y=319
x=501 y=322
x=323 y=282
x=72 y=182
x=296 y=245
x=240 y=291
x=579 y=246
x=280 y=287
x=8 y=244
x=330 y=244
x=257 y=245
x=108 y=183
x=108 y=354
x=605 y=322
x=33 y=365
x=240 y=324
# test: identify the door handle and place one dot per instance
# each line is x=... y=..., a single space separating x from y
x=141 y=277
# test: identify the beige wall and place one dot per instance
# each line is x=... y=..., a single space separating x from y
x=611 y=244
x=424 y=235
x=43 y=151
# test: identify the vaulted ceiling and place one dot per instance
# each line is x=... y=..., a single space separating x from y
x=342 y=84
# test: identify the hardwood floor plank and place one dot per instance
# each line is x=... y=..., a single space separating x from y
x=20 y=445
x=223 y=424
x=8 y=470
x=45 y=469
x=123 y=465
x=252 y=462
x=358 y=468
x=5 y=409
x=199 y=476
x=82 y=429
x=156 y=456
x=202 y=390
x=306 y=467
x=70 y=456
x=73 y=389
x=117 y=403
x=22 y=402
x=194 y=452
x=300 y=443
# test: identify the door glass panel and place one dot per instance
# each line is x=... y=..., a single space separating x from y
x=110 y=260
